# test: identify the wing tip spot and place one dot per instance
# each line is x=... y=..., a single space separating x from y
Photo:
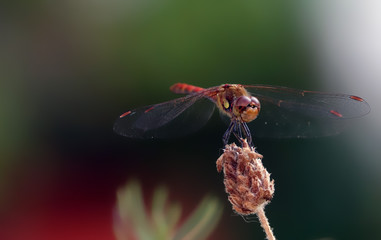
x=356 y=98
x=337 y=114
x=125 y=114
x=149 y=109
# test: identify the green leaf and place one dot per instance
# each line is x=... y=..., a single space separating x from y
x=158 y=213
x=203 y=220
x=131 y=209
x=137 y=223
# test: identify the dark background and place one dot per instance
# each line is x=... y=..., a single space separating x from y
x=69 y=68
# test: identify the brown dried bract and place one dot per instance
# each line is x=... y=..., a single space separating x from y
x=246 y=180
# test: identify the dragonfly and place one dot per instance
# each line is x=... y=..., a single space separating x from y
x=261 y=110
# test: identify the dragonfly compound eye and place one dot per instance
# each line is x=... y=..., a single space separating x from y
x=242 y=101
x=255 y=102
x=249 y=108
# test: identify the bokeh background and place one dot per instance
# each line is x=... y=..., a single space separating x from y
x=69 y=68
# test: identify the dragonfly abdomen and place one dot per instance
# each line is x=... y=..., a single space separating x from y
x=183 y=88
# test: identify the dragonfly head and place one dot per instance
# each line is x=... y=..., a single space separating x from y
x=247 y=108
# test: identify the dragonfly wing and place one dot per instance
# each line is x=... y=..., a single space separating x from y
x=288 y=113
x=165 y=120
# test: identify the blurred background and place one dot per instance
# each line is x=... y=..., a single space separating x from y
x=69 y=68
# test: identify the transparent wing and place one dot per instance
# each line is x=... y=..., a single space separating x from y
x=287 y=112
x=174 y=118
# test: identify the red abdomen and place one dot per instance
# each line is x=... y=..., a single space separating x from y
x=183 y=88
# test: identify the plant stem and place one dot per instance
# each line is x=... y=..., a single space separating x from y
x=265 y=224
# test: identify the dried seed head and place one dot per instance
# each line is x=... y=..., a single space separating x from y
x=246 y=181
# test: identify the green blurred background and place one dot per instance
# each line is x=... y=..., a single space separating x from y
x=69 y=68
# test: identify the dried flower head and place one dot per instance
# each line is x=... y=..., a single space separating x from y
x=246 y=181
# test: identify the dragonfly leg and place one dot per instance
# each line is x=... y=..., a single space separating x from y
x=238 y=132
x=228 y=132
x=246 y=132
